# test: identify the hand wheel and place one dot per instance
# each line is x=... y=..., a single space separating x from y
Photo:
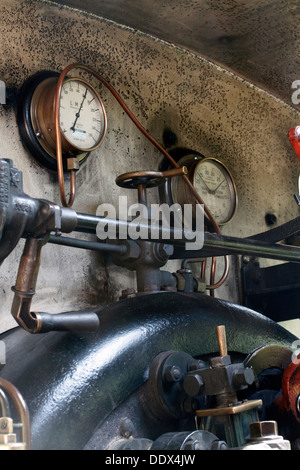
x=141 y=180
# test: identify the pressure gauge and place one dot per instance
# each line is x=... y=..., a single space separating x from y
x=216 y=187
x=82 y=115
x=213 y=182
x=83 y=119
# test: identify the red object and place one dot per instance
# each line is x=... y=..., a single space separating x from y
x=294 y=138
x=288 y=400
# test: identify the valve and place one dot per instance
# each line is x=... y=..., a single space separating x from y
x=141 y=180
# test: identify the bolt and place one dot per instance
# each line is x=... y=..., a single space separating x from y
x=172 y=374
x=196 y=364
x=192 y=445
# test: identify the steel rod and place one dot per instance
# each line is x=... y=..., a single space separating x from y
x=87 y=245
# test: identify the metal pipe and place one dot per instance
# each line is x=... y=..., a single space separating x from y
x=4 y=404
x=21 y=408
x=214 y=244
x=88 y=245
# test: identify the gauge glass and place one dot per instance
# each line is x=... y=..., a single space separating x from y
x=82 y=115
x=217 y=189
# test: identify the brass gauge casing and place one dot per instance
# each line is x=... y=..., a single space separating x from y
x=83 y=120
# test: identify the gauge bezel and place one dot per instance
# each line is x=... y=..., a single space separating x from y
x=36 y=121
x=230 y=180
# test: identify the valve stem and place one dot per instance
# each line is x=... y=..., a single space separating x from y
x=221 y=337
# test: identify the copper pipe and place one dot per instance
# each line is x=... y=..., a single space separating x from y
x=212 y=275
x=224 y=275
x=4 y=404
x=21 y=408
x=203 y=268
x=60 y=169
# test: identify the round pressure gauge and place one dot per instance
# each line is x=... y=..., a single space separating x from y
x=213 y=182
x=82 y=114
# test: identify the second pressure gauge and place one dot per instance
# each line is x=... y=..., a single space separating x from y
x=213 y=182
x=83 y=119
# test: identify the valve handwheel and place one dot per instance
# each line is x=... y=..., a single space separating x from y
x=141 y=180
x=148 y=179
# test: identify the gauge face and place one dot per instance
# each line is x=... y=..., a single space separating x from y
x=216 y=187
x=82 y=115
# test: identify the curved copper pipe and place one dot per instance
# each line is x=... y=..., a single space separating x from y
x=21 y=408
x=224 y=276
x=60 y=169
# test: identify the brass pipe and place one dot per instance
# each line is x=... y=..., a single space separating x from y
x=36 y=322
x=221 y=337
x=24 y=288
x=21 y=408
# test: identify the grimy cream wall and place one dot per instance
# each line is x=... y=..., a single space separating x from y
x=209 y=109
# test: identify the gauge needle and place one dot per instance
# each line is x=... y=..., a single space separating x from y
x=78 y=112
x=208 y=189
x=215 y=190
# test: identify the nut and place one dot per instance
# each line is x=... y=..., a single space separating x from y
x=193 y=385
x=172 y=374
x=263 y=429
x=243 y=377
x=220 y=361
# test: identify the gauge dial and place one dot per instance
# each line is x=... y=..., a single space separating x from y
x=216 y=187
x=82 y=115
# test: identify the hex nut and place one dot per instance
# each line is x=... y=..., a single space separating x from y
x=220 y=361
x=244 y=377
x=172 y=374
x=263 y=429
x=193 y=385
